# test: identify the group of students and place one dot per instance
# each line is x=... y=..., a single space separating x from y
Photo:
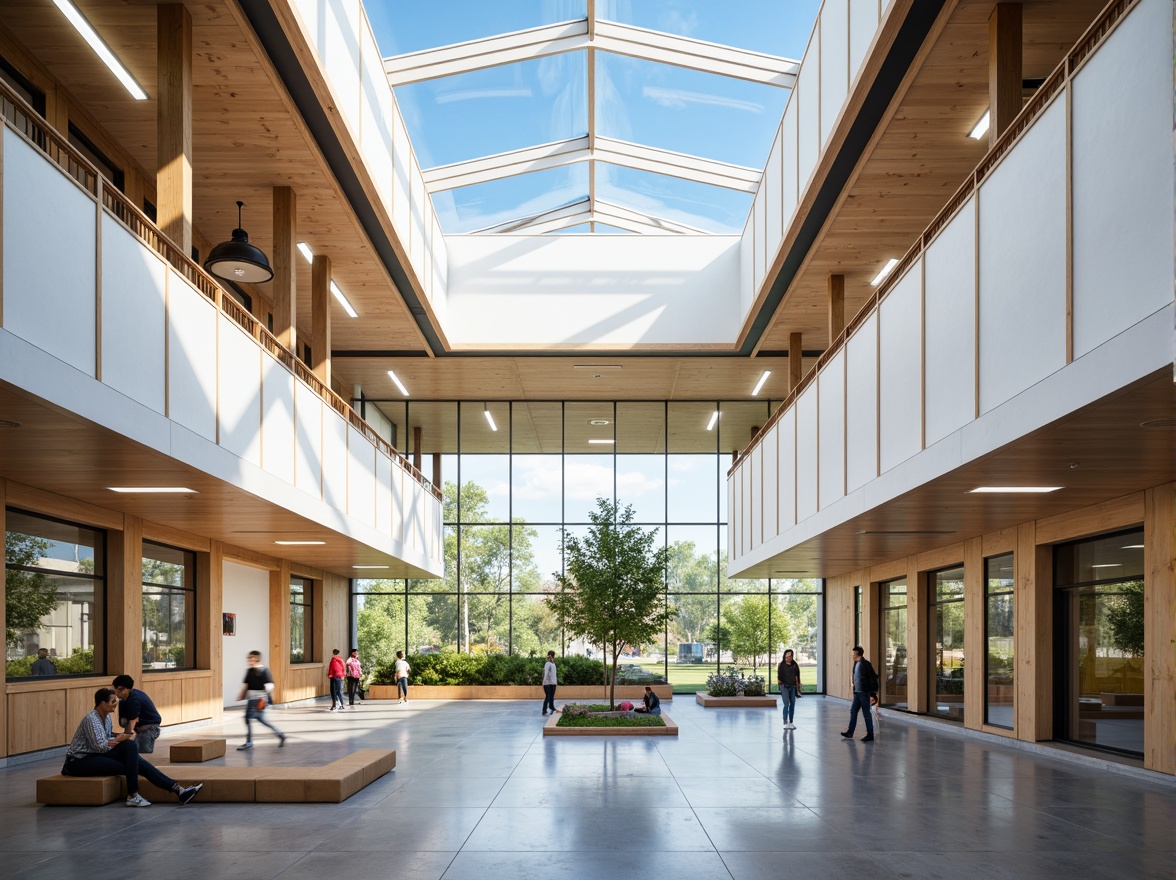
x=865 y=691
x=650 y=703
x=351 y=672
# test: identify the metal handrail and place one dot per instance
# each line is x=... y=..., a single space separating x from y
x=27 y=123
x=1061 y=75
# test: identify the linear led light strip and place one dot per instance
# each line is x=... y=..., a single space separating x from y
x=88 y=33
x=304 y=249
x=396 y=381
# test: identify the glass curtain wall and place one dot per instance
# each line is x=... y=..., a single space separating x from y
x=516 y=475
x=998 y=638
x=301 y=620
x=1099 y=625
x=893 y=674
x=947 y=659
x=169 y=607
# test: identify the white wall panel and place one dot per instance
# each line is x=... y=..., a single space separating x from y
x=950 y=318
x=399 y=500
x=771 y=464
x=134 y=316
x=786 y=468
x=808 y=119
x=900 y=359
x=747 y=517
x=806 y=453
x=759 y=219
x=238 y=388
x=50 y=278
x=758 y=496
x=420 y=516
x=861 y=405
x=339 y=53
x=246 y=594
x=1122 y=178
x=417 y=210
x=376 y=131
x=746 y=271
x=361 y=477
x=863 y=24
x=834 y=62
x=191 y=369
x=277 y=419
x=308 y=463
x=334 y=459
x=831 y=405
x=384 y=468
x=1023 y=263
x=789 y=157
x=400 y=188
x=772 y=185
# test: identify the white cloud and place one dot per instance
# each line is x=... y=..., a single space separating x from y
x=679 y=98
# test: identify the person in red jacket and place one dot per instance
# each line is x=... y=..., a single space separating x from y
x=335 y=673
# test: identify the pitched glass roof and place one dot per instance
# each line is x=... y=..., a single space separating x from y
x=592 y=116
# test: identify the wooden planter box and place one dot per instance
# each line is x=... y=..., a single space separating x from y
x=551 y=728
x=765 y=702
x=595 y=693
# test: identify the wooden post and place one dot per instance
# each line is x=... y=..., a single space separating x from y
x=836 y=306
x=124 y=599
x=795 y=360
x=437 y=470
x=1004 y=68
x=1159 y=628
x=320 y=318
x=285 y=287
x=173 y=176
x=975 y=649
x=1033 y=635
x=279 y=613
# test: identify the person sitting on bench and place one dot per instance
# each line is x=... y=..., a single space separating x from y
x=96 y=751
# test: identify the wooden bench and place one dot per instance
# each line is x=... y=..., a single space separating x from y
x=329 y=784
x=197 y=751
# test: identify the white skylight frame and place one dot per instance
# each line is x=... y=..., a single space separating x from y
x=590 y=34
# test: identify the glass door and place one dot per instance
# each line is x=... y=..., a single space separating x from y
x=947 y=656
x=893 y=671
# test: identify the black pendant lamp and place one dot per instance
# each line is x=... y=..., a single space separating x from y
x=238 y=260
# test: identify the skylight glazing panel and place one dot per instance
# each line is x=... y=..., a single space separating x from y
x=687 y=111
x=699 y=205
x=767 y=26
x=472 y=208
x=496 y=110
x=402 y=27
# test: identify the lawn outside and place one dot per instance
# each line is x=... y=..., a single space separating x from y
x=688 y=678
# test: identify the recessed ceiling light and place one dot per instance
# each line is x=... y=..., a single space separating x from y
x=88 y=33
x=489 y=418
x=338 y=294
x=371 y=566
x=760 y=383
x=981 y=127
x=299 y=543
x=909 y=532
x=396 y=381
x=1132 y=547
x=1027 y=490
x=602 y=442
x=886 y=270
x=304 y=249
x=710 y=426
x=1108 y=565
x=596 y=367
x=153 y=490
x=599 y=423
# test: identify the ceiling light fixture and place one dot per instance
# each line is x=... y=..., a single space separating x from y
x=602 y=442
x=489 y=417
x=152 y=490
x=1107 y=565
x=1025 y=490
x=299 y=543
x=370 y=566
x=88 y=33
x=760 y=383
x=342 y=300
x=596 y=366
x=599 y=423
x=981 y=128
x=238 y=260
x=710 y=426
x=1132 y=547
x=396 y=381
x=886 y=270
x=304 y=249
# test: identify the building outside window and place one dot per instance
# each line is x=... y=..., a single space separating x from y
x=510 y=492
x=947 y=657
x=893 y=674
x=55 y=594
x=998 y=639
x=169 y=607
x=301 y=620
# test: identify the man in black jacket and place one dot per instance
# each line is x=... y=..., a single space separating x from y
x=865 y=694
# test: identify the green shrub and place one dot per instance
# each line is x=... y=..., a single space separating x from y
x=20 y=667
x=452 y=668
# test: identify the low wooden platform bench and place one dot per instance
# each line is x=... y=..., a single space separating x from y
x=329 y=784
x=197 y=751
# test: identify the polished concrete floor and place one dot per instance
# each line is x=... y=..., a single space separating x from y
x=479 y=793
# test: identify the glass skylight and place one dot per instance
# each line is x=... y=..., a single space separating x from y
x=501 y=124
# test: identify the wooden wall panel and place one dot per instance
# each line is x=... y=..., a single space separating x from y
x=1117 y=513
x=918 y=640
x=166 y=693
x=79 y=702
x=974 y=645
x=336 y=615
x=278 y=659
x=37 y=720
x=197 y=701
x=1159 y=603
